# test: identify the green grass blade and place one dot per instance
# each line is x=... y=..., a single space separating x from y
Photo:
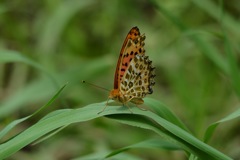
x=202 y=43
x=213 y=126
x=7 y=56
x=148 y=144
x=16 y=122
x=49 y=135
x=162 y=110
x=35 y=91
x=143 y=119
x=101 y=155
x=233 y=65
x=11 y=125
x=213 y=10
x=56 y=23
x=169 y=131
x=41 y=90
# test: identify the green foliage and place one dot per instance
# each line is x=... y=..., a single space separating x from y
x=194 y=46
x=180 y=139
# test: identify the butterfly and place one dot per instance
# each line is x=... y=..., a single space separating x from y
x=134 y=75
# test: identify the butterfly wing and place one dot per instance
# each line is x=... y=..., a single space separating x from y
x=138 y=79
x=133 y=45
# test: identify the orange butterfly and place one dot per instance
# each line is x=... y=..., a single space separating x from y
x=134 y=75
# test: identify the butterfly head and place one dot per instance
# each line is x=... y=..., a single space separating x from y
x=117 y=96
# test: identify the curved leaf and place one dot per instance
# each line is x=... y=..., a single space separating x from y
x=144 y=119
x=213 y=126
x=150 y=143
x=16 y=122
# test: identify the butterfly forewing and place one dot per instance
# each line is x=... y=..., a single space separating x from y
x=132 y=46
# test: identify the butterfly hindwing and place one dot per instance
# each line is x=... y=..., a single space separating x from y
x=138 y=79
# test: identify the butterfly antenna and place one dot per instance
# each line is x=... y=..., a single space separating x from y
x=95 y=86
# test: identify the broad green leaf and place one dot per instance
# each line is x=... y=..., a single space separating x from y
x=164 y=112
x=143 y=119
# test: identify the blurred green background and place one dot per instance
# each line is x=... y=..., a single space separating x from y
x=194 y=46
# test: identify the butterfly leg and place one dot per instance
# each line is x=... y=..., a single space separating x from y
x=104 y=107
x=128 y=107
x=137 y=102
x=143 y=109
